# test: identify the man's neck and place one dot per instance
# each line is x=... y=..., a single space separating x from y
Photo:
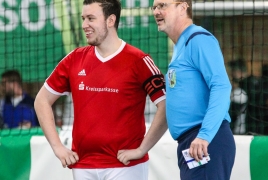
x=179 y=30
x=109 y=46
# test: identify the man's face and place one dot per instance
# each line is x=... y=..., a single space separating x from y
x=94 y=24
x=7 y=87
x=164 y=12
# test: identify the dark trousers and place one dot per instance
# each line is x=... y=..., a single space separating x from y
x=221 y=151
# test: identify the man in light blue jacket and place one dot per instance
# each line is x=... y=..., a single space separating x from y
x=197 y=93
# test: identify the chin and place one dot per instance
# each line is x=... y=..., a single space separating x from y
x=160 y=29
x=90 y=43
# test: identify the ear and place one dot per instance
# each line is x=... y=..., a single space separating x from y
x=184 y=6
x=111 y=20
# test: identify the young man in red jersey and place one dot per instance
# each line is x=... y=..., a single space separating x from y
x=109 y=81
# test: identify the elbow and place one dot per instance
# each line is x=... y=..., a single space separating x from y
x=37 y=102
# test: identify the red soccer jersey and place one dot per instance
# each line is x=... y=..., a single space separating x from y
x=109 y=99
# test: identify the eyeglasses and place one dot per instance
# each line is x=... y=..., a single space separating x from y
x=162 y=6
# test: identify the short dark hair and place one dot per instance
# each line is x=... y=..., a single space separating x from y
x=238 y=64
x=109 y=7
x=12 y=76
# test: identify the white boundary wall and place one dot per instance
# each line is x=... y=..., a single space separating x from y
x=162 y=163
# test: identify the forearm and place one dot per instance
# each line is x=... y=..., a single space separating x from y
x=156 y=130
x=46 y=118
x=219 y=102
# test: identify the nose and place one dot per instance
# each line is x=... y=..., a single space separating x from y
x=84 y=24
x=156 y=11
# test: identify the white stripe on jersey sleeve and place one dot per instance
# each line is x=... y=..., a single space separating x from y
x=150 y=63
x=53 y=91
x=159 y=99
x=153 y=64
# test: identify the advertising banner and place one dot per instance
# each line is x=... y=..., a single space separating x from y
x=36 y=34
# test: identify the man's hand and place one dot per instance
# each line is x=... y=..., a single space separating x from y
x=66 y=156
x=25 y=124
x=125 y=156
x=198 y=148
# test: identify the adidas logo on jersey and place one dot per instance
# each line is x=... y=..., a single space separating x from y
x=82 y=73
